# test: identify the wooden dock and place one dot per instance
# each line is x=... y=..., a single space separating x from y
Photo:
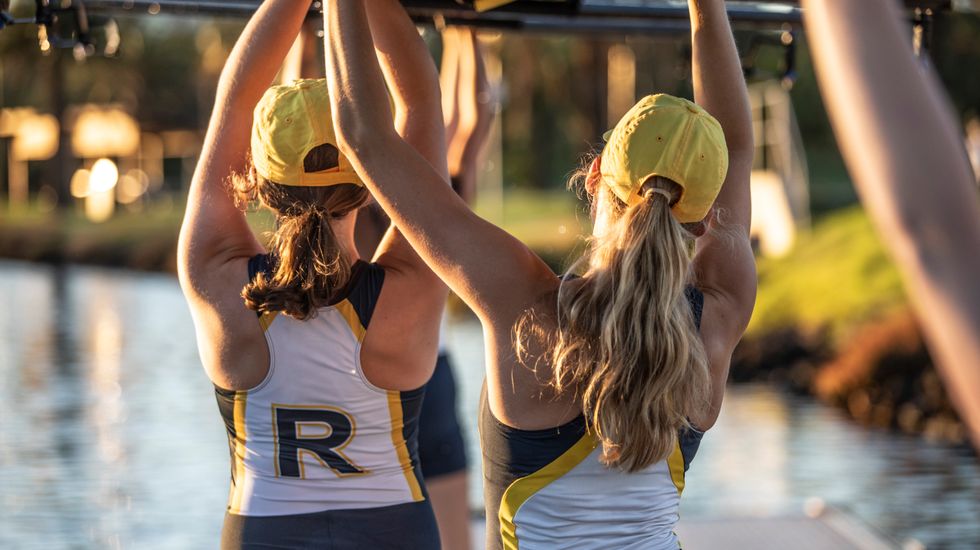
x=832 y=530
x=827 y=529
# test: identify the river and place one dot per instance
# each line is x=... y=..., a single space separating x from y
x=110 y=436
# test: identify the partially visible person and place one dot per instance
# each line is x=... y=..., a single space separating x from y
x=317 y=370
x=468 y=107
x=599 y=387
x=468 y=115
x=899 y=140
x=973 y=145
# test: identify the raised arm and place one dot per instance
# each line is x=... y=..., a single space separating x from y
x=409 y=73
x=215 y=240
x=903 y=149
x=406 y=63
x=449 y=81
x=724 y=265
x=487 y=267
x=719 y=87
x=214 y=230
x=469 y=123
x=468 y=117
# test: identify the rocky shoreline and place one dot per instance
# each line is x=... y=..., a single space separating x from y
x=883 y=377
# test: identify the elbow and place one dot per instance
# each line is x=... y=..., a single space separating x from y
x=357 y=139
x=348 y=141
x=358 y=129
x=352 y=133
x=185 y=273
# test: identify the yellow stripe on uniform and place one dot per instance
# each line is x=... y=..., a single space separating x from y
x=401 y=447
x=238 y=493
x=345 y=308
x=266 y=319
x=675 y=462
x=484 y=5
x=524 y=488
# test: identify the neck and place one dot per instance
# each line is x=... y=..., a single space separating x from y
x=343 y=229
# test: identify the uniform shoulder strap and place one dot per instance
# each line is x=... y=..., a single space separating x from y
x=260 y=263
x=365 y=289
x=696 y=298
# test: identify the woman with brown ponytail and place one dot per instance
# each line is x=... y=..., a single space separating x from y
x=318 y=358
x=599 y=387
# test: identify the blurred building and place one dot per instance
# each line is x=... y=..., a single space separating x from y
x=780 y=181
x=118 y=164
x=25 y=136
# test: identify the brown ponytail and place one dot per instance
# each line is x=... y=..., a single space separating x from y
x=309 y=264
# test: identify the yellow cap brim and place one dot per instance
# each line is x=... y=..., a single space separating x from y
x=607 y=135
x=325 y=179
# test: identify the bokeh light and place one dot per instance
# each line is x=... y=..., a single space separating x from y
x=104 y=176
x=79 y=183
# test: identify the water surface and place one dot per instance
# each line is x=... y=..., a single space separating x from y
x=110 y=436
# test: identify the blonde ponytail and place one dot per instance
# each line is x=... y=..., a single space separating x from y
x=626 y=342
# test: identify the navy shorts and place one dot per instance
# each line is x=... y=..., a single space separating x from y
x=409 y=525
x=441 y=447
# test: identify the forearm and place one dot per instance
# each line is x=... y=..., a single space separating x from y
x=259 y=52
x=474 y=138
x=357 y=87
x=899 y=140
x=476 y=111
x=412 y=79
x=449 y=81
x=473 y=112
x=895 y=133
x=719 y=87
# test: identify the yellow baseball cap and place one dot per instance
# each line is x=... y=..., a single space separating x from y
x=289 y=121
x=671 y=137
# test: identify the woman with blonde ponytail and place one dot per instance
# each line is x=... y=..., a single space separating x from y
x=628 y=339
x=599 y=385
x=318 y=358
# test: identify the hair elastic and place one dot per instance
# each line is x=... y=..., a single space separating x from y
x=665 y=193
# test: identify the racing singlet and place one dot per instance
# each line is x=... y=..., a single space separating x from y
x=320 y=457
x=546 y=489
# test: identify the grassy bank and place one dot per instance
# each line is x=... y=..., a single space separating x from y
x=836 y=279
x=143 y=240
x=147 y=239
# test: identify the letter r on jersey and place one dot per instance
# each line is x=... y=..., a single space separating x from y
x=318 y=431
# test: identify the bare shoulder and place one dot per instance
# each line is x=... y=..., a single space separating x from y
x=724 y=317
x=519 y=369
x=725 y=273
x=400 y=346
